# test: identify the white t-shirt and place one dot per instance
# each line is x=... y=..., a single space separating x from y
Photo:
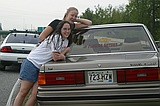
x=43 y=53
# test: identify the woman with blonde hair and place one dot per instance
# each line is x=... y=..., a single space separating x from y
x=71 y=16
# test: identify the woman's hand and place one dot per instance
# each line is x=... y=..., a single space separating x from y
x=58 y=56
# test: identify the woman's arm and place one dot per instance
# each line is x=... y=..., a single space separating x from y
x=81 y=22
x=50 y=28
x=45 y=33
x=66 y=50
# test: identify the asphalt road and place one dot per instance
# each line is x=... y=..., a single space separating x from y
x=7 y=81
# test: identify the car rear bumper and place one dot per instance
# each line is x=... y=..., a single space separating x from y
x=10 y=58
x=126 y=102
x=7 y=63
x=115 y=95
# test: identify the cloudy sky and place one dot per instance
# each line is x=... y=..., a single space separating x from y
x=29 y=14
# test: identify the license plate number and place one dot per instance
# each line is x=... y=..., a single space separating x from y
x=100 y=77
x=20 y=60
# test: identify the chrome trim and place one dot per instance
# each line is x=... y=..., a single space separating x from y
x=119 y=53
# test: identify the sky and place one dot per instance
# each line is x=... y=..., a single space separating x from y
x=30 y=14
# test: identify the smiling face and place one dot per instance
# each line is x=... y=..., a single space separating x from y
x=71 y=16
x=65 y=30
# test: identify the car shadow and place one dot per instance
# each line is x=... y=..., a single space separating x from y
x=12 y=68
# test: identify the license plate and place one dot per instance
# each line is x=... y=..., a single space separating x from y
x=20 y=60
x=100 y=77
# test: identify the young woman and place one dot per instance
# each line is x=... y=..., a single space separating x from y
x=70 y=16
x=53 y=47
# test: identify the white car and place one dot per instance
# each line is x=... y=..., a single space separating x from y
x=15 y=48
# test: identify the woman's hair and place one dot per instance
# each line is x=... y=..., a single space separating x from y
x=58 y=31
x=68 y=10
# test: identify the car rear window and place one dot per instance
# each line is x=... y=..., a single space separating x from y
x=23 y=38
x=112 y=39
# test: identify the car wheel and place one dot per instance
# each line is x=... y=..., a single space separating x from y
x=2 y=67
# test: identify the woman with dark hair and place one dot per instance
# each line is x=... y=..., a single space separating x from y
x=53 y=47
x=71 y=16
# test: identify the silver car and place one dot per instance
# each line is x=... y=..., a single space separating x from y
x=109 y=65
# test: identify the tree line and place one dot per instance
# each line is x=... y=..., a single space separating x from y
x=146 y=12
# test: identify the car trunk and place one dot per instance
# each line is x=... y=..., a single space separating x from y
x=117 y=77
x=117 y=67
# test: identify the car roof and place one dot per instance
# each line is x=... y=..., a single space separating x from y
x=24 y=33
x=114 y=25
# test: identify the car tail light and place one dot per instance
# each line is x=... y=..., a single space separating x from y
x=41 y=79
x=137 y=75
x=6 y=49
x=61 y=78
x=121 y=76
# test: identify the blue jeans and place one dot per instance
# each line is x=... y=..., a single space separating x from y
x=29 y=71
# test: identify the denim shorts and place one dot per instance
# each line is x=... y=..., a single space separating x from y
x=29 y=71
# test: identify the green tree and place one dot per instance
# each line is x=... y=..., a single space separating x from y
x=137 y=11
x=146 y=12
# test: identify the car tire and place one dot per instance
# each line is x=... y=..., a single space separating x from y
x=2 y=67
